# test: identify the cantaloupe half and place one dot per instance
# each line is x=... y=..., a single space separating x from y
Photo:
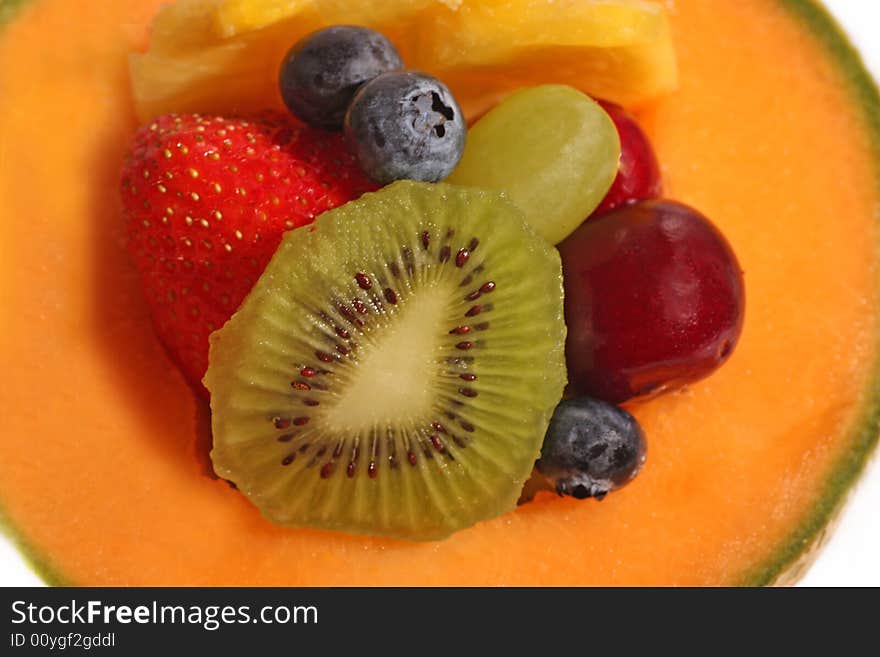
x=774 y=133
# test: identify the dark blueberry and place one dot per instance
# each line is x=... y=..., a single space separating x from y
x=591 y=448
x=321 y=73
x=406 y=125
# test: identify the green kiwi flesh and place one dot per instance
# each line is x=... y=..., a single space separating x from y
x=394 y=369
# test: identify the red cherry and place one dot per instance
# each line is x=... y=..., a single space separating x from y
x=638 y=177
x=654 y=299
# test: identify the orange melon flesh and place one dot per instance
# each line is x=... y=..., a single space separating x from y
x=769 y=135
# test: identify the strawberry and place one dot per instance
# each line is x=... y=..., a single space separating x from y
x=206 y=201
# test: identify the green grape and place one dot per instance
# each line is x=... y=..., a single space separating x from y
x=554 y=151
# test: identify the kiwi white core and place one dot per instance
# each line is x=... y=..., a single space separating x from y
x=391 y=382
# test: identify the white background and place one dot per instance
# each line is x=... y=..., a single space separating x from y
x=852 y=558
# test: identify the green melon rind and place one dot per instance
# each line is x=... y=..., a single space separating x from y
x=8 y=8
x=37 y=563
x=804 y=542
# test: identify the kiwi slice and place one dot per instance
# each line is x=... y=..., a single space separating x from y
x=395 y=367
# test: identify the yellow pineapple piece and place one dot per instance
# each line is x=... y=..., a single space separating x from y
x=189 y=67
x=232 y=77
x=223 y=55
x=184 y=25
x=620 y=50
x=234 y=17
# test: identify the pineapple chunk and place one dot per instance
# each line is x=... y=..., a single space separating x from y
x=184 y=25
x=620 y=50
x=234 y=17
x=223 y=55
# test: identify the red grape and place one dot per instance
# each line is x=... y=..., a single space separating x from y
x=638 y=177
x=654 y=299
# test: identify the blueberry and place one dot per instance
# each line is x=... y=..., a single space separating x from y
x=591 y=448
x=321 y=73
x=406 y=125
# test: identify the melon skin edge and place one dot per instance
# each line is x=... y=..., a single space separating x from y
x=797 y=552
x=40 y=564
x=8 y=9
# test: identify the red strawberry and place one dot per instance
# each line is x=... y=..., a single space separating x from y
x=206 y=200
